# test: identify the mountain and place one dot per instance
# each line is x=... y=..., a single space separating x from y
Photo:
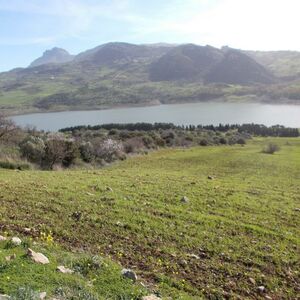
x=284 y=64
x=209 y=64
x=119 y=53
x=118 y=74
x=55 y=56
x=237 y=68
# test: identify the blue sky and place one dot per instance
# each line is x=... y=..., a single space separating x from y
x=29 y=27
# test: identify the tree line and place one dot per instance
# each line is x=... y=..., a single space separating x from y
x=253 y=129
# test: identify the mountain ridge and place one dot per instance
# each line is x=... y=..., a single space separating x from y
x=124 y=74
x=55 y=55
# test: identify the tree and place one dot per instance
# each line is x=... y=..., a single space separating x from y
x=7 y=128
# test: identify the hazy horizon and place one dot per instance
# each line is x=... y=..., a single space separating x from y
x=31 y=27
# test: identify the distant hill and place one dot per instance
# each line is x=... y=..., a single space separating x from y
x=209 y=64
x=117 y=74
x=53 y=56
x=238 y=68
x=281 y=63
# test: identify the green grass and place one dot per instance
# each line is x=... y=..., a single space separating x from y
x=94 y=276
x=243 y=224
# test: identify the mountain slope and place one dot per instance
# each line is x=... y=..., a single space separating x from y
x=281 y=63
x=55 y=56
x=238 y=68
x=116 y=74
x=184 y=62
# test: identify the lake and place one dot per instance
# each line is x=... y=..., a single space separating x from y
x=180 y=114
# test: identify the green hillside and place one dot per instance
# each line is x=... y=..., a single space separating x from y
x=121 y=74
x=236 y=236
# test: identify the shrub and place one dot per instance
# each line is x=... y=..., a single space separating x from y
x=25 y=293
x=133 y=145
x=241 y=141
x=109 y=150
x=203 y=142
x=86 y=152
x=33 y=149
x=223 y=141
x=271 y=148
x=14 y=165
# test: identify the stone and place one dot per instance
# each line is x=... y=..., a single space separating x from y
x=185 y=199
x=297 y=209
x=151 y=297
x=37 y=257
x=261 y=289
x=2 y=238
x=10 y=257
x=42 y=295
x=210 y=177
x=252 y=280
x=4 y=297
x=194 y=256
x=16 y=241
x=127 y=273
x=64 y=270
x=77 y=215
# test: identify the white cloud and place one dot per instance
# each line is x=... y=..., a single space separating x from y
x=251 y=24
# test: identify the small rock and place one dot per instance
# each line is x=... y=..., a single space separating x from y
x=4 y=297
x=210 y=177
x=268 y=297
x=185 y=199
x=194 y=256
x=16 y=241
x=252 y=280
x=42 y=295
x=151 y=297
x=183 y=262
x=261 y=289
x=2 y=238
x=297 y=209
x=64 y=270
x=10 y=257
x=127 y=273
x=37 y=257
x=27 y=230
x=77 y=216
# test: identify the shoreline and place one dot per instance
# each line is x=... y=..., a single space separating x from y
x=14 y=113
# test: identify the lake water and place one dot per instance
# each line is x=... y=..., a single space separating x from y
x=180 y=114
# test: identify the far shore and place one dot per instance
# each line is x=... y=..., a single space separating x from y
x=32 y=110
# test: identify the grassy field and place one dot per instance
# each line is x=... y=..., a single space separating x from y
x=238 y=231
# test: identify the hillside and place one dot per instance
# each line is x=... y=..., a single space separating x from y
x=122 y=74
x=281 y=63
x=236 y=236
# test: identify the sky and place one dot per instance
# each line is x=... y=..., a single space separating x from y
x=29 y=27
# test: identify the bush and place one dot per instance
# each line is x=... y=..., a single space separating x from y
x=25 y=293
x=109 y=150
x=241 y=141
x=33 y=149
x=222 y=141
x=203 y=142
x=86 y=152
x=14 y=165
x=271 y=148
x=133 y=145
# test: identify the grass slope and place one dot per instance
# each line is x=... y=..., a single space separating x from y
x=243 y=225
